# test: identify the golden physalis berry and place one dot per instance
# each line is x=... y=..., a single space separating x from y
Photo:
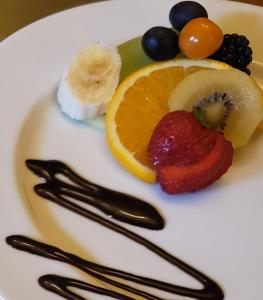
x=200 y=38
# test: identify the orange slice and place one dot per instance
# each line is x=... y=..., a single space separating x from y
x=138 y=104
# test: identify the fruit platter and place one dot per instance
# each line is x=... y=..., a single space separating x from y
x=131 y=153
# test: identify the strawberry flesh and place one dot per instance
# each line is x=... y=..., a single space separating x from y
x=175 y=180
x=179 y=139
x=193 y=159
x=223 y=165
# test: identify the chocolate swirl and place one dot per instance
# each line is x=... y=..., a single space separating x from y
x=59 y=284
x=117 y=205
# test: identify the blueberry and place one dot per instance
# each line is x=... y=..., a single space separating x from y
x=160 y=43
x=183 y=12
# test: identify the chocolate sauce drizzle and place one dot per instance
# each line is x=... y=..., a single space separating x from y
x=59 y=284
x=117 y=205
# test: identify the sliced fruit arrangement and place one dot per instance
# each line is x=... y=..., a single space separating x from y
x=138 y=104
x=214 y=107
x=89 y=82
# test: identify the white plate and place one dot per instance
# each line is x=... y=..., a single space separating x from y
x=217 y=230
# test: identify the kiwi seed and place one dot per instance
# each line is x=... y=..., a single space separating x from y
x=212 y=116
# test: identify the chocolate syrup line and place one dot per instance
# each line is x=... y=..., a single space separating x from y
x=117 y=205
x=51 y=252
x=49 y=169
x=210 y=291
x=41 y=191
x=57 y=284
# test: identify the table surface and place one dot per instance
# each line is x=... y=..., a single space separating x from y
x=15 y=14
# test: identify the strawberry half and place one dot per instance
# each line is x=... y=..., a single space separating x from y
x=179 y=139
x=175 y=180
x=194 y=158
x=223 y=165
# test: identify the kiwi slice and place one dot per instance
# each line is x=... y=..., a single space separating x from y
x=228 y=100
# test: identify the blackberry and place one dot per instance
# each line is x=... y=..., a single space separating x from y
x=235 y=51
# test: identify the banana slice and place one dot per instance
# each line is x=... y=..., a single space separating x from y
x=89 y=82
